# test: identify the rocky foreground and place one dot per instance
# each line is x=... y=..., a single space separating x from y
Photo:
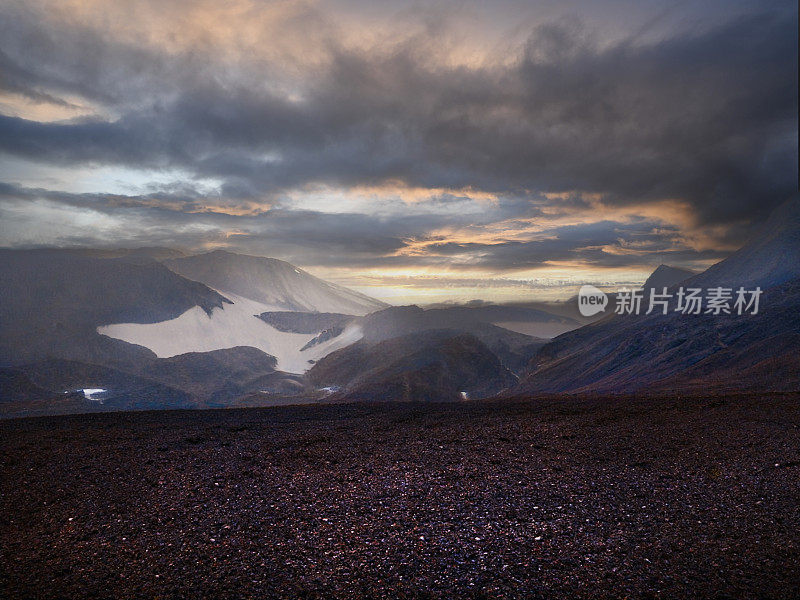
x=555 y=498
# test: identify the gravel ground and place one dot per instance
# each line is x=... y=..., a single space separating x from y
x=554 y=498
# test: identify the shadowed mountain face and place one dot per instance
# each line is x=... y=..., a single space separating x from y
x=51 y=301
x=15 y=384
x=215 y=376
x=96 y=291
x=272 y=282
x=304 y=322
x=194 y=380
x=676 y=351
x=58 y=390
x=771 y=257
x=684 y=352
x=435 y=365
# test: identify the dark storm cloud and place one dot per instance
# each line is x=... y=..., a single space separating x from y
x=706 y=117
x=710 y=118
x=38 y=54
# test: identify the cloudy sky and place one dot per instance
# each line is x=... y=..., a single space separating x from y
x=417 y=151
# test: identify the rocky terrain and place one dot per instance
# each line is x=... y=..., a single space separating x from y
x=548 y=498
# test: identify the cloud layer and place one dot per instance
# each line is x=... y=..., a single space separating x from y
x=353 y=136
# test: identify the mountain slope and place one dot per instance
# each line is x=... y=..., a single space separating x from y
x=121 y=321
x=677 y=351
x=665 y=277
x=770 y=258
x=51 y=301
x=64 y=380
x=435 y=365
x=272 y=282
x=513 y=349
x=217 y=377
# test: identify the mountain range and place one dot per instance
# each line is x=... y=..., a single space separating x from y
x=120 y=329
x=113 y=329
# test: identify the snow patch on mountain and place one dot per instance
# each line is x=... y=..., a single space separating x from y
x=233 y=325
x=91 y=393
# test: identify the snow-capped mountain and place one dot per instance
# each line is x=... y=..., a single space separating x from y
x=52 y=300
x=253 y=285
x=122 y=321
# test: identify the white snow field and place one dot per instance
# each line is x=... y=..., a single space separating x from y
x=233 y=325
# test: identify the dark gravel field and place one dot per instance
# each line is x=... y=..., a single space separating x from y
x=556 y=498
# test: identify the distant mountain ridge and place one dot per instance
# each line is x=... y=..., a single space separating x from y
x=272 y=282
x=512 y=349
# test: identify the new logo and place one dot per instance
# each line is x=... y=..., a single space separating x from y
x=591 y=300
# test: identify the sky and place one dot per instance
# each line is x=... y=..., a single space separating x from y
x=415 y=151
